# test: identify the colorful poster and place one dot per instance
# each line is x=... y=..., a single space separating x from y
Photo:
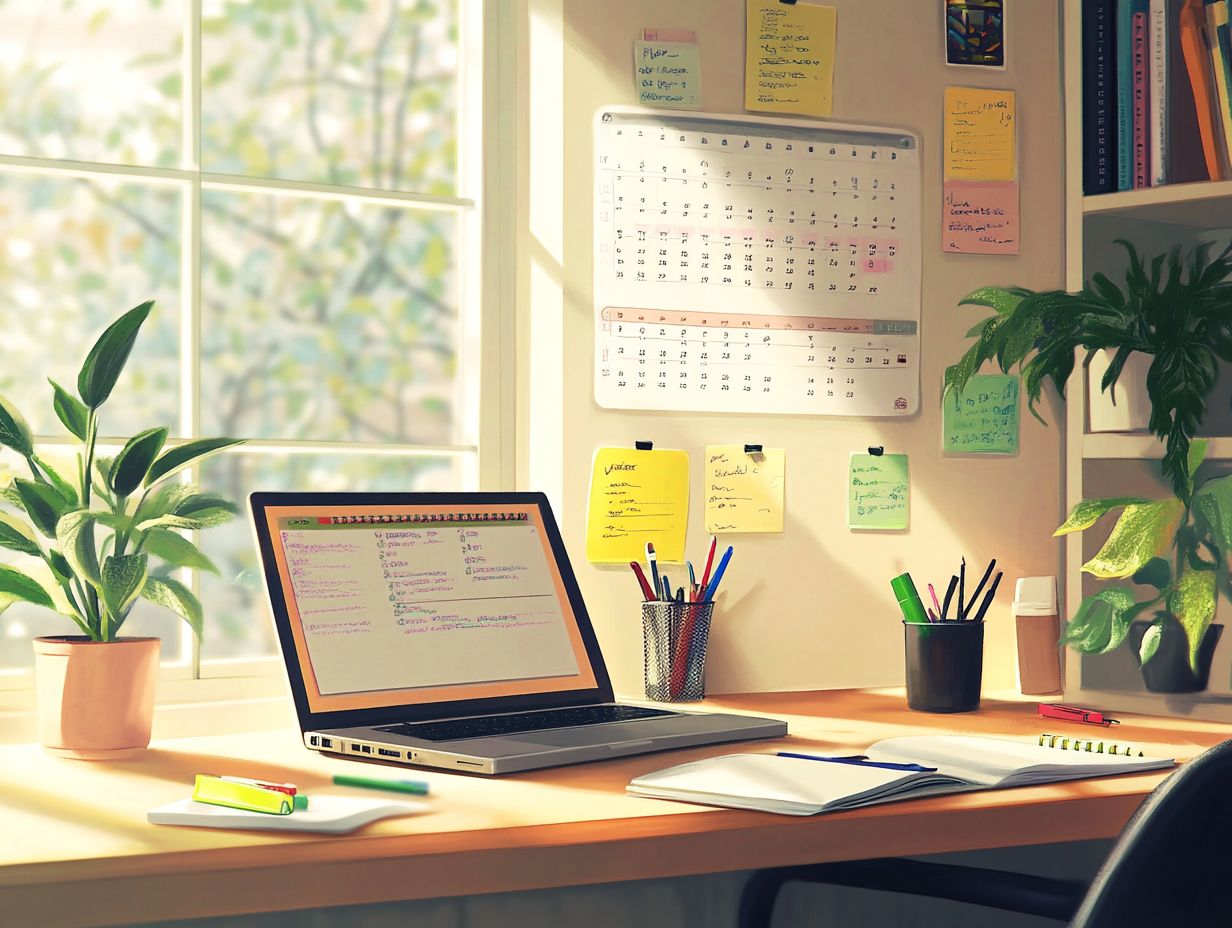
x=637 y=497
x=878 y=492
x=789 y=57
x=975 y=32
x=980 y=217
x=984 y=420
x=979 y=134
x=744 y=490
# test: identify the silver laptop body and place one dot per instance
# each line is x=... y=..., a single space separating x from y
x=448 y=631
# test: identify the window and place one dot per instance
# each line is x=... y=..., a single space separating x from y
x=296 y=184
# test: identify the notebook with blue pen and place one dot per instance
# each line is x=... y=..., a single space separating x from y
x=793 y=783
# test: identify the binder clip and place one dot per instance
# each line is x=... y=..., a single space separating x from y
x=876 y=450
x=752 y=449
x=644 y=445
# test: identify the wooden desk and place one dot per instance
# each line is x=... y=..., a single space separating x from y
x=75 y=848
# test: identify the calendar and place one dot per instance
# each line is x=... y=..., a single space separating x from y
x=756 y=265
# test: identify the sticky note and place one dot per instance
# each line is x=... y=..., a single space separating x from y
x=979 y=134
x=878 y=491
x=744 y=491
x=984 y=419
x=980 y=217
x=636 y=497
x=789 y=57
x=667 y=74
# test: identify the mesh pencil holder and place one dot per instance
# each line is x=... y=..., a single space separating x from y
x=674 y=649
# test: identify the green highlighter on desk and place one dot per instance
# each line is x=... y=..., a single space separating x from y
x=909 y=600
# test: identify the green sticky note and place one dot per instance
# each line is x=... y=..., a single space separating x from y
x=878 y=491
x=984 y=420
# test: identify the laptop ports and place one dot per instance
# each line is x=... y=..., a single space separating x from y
x=314 y=741
x=385 y=752
x=355 y=748
x=365 y=748
x=327 y=742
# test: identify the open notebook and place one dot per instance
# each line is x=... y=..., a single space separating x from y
x=795 y=786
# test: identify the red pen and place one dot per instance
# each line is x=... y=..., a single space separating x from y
x=1074 y=714
x=641 y=578
x=714 y=543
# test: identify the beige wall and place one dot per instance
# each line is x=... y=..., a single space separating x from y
x=811 y=607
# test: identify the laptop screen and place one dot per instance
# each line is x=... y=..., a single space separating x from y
x=404 y=605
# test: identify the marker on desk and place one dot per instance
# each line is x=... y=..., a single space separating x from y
x=416 y=787
x=909 y=600
x=718 y=575
x=859 y=760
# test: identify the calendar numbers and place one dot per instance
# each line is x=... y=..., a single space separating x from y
x=774 y=265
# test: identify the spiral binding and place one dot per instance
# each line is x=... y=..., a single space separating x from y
x=1093 y=747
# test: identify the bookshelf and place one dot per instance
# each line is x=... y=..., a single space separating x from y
x=1154 y=218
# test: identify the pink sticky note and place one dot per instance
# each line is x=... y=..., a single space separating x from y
x=980 y=217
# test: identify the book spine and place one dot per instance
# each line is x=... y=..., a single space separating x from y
x=1159 y=92
x=1186 y=162
x=1141 y=69
x=1098 y=110
x=1198 y=74
x=1124 y=95
x=1217 y=13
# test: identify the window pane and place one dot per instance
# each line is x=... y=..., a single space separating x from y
x=92 y=80
x=327 y=321
x=75 y=253
x=237 y=622
x=349 y=92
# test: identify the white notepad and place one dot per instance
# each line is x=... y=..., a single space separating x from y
x=795 y=786
x=329 y=814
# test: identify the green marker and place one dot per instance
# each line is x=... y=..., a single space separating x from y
x=418 y=787
x=909 y=600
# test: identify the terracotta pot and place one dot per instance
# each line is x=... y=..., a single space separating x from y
x=95 y=699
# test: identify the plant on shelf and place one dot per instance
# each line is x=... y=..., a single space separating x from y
x=109 y=534
x=1178 y=548
x=1176 y=308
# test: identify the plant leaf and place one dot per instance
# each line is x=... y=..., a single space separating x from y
x=15 y=586
x=1002 y=299
x=177 y=550
x=1142 y=532
x=1150 y=641
x=107 y=358
x=1156 y=572
x=74 y=534
x=178 y=598
x=71 y=411
x=176 y=459
x=1212 y=507
x=1197 y=454
x=14 y=431
x=42 y=503
x=66 y=490
x=1092 y=627
x=16 y=535
x=124 y=576
x=134 y=460
x=1090 y=511
x=1193 y=603
x=195 y=511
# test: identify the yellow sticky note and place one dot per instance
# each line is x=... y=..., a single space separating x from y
x=744 y=491
x=979 y=134
x=636 y=497
x=789 y=57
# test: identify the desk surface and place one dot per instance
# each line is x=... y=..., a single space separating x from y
x=75 y=848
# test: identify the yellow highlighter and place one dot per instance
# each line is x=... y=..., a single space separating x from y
x=219 y=792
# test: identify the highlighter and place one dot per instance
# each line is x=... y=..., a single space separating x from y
x=219 y=792
x=909 y=600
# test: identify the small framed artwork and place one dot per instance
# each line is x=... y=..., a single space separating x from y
x=975 y=33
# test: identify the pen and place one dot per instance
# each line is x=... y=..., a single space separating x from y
x=666 y=593
x=949 y=594
x=718 y=575
x=654 y=568
x=975 y=597
x=714 y=541
x=936 y=605
x=962 y=584
x=692 y=578
x=680 y=595
x=992 y=591
x=647 y=592
x=1074 y=714
x=417 y=787
x=859 y=761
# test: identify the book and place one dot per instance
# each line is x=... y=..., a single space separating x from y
x=1157 y=106
x=1124 y=95
x=1099 y=141
x=1141 y=69
x=328 y=814
x=1217 y=15
x=1200 y=74
x=1187 y=161
x=792 y=785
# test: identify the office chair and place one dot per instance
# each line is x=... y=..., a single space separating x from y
x=1172 y=865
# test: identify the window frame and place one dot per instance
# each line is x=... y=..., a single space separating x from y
x=486 y=170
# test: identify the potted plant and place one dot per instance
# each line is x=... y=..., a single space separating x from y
x=99 y=538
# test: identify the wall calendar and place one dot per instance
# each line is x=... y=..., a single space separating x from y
x=756 y=265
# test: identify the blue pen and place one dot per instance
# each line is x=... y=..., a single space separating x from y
x=859 y=761
x=665 y=593
x=718 y=575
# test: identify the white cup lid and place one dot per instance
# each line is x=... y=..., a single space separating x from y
x=1035 y=596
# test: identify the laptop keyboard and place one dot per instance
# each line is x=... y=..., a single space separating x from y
x=487 y=725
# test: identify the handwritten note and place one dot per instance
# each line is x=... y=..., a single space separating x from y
x=789 y=57
x=878 y=492
x=979 y=134
x=980 y=217
x=984 y=419
x=744 y=491
x=667 y=74
x=636 y=497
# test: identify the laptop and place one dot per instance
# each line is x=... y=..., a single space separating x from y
x=447 y=630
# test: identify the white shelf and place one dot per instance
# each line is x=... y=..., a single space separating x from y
x=1143 y=446
x=1206 y=205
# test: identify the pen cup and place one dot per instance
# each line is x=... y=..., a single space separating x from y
x=674 y=649
x=945 y=665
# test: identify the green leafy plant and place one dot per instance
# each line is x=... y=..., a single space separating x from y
x=1177 y=308
x=98 y=534
x=1178 y=547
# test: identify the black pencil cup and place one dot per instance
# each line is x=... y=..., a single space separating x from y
x=945 y=665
